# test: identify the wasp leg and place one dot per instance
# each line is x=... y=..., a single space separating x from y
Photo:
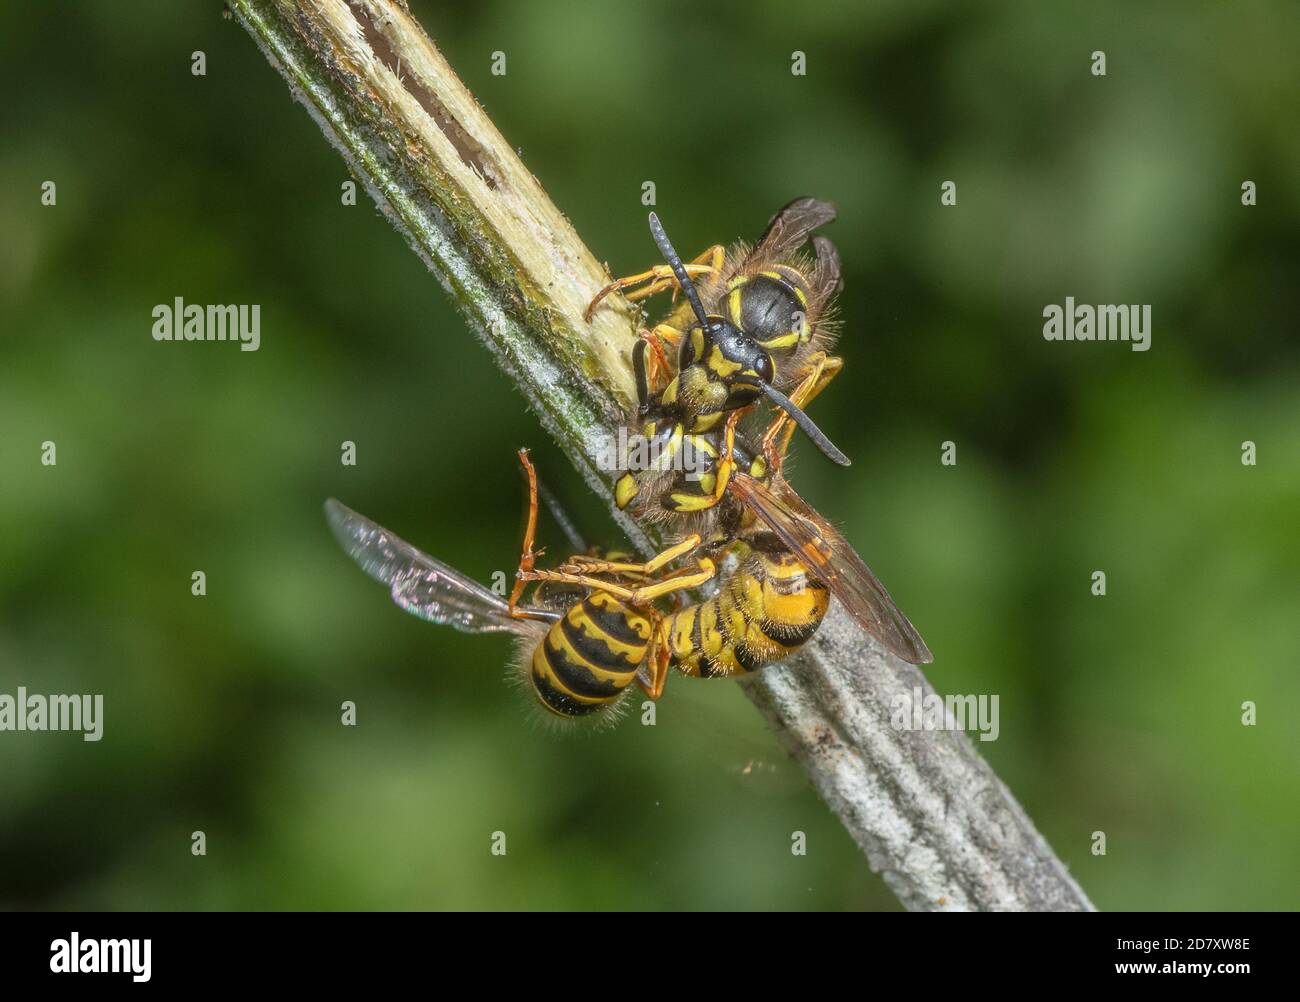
x=663 y=335
x=721 y=474
x=527 y=555
x=821 y=369
x=642 y=595
x=714 y=256
x=650 y=383
x=657 y=668
x=594 y=565
x=659 y=277
x=726 y=465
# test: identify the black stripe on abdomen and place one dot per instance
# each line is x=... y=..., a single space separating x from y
x=562 y=703
x=611 y=621
x=577 y=678
x=592 y=651
x=790 y=634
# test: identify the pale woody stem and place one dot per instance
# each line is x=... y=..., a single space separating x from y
x=929 y=814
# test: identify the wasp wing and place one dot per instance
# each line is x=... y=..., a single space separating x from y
x=829 y=558
x=791 y=227
x=419 y=584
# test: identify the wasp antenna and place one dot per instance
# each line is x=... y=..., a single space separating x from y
x=801 y=418
x=679 y=270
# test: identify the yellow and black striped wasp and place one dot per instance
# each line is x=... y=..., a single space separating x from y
x=593 y=627
x=791 y=561
x=754 y=321
x=775 y=333
x=579 y=647
x=757 y=325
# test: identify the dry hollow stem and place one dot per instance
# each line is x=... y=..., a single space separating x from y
x=928 y=812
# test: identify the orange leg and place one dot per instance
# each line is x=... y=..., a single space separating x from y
x=723 y=469
x=594 y=565
x=714 y=256
x=662 y=339
x=659 y=278
x=728 y=461
x=821 y=370
x=527 y=556
x=657 y=667
x=642 y=595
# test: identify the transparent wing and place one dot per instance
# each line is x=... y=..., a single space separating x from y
x=791 y=227
x=419 y=584
x=829 y=558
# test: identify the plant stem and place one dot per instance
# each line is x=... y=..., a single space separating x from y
x=928 y=812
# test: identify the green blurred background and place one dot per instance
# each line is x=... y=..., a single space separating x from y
x=1119 y=714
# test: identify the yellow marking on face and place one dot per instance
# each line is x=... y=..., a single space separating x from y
x=722 y=365
x=697 y=342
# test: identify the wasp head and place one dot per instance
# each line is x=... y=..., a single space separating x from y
x=720 y=367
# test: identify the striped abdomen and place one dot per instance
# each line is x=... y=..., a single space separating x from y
x=766 y=610
x=590 y=656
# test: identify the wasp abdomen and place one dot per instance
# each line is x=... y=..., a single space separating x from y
x=590 y=656
x=765 y=611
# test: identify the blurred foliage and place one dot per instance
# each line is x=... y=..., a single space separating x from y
x=1118 y=714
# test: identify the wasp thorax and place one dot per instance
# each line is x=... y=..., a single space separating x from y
x=771 y=307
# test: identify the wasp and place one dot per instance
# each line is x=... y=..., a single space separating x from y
x=581 y=642
x=791 y=562
x=759 y=323
x=766 y=328
x=749 y=351
x=593 y=628
x=594 y=625
x=757 y=326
